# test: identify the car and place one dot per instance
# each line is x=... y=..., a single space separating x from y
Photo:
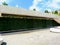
x=55 y=29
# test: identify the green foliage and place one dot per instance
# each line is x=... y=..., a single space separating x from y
x=46 y=11
x=7 y=24
x=34 y=9
x=56 y=12
x=59 y=14
x=4 y=3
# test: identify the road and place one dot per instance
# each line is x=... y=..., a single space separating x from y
x=37 y=37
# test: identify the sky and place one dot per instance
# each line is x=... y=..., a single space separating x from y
x=39 y=5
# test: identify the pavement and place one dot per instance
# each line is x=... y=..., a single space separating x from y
x=36 y=37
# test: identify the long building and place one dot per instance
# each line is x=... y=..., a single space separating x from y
x=13 y=13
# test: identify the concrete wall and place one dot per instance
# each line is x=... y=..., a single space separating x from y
x=57 y=20
x=24 y=12
x=0 y=14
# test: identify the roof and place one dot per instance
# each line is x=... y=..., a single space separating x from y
x=21 y=11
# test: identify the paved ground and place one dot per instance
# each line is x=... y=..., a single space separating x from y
x=37 y=37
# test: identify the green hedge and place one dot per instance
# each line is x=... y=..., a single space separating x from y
x=7 y=24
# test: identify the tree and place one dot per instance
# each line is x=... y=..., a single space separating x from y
x=4 y=3
x=56 y=12
x=34 y=9
x=46 y=11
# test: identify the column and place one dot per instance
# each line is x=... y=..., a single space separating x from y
x=0 y=14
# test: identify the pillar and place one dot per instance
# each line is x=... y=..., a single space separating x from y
x=0 y=14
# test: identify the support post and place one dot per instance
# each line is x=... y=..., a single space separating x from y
x=0 y=14
x=57 y=20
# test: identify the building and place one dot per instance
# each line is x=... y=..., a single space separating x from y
x=17 y=18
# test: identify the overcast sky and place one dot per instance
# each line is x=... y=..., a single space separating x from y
x=39 y=5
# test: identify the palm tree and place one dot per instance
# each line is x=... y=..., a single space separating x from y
x=4 y=3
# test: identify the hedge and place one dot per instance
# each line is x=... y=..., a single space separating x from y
x=7 y=24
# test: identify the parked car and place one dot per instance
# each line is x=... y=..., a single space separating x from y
x=55 y=29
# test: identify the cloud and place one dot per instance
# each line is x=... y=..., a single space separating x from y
x=2 y=1
x=34 y=5
x=48 y=9
x=54 y=4
x=35 y=2
x=56 y=0
x=7 y=1
x=45 y=4
x=17 y=5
